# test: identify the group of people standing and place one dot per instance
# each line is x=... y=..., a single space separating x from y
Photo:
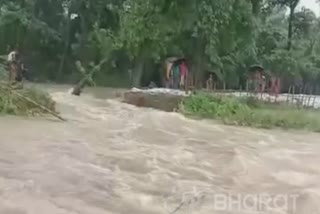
x=176 y=73
x=259 y=83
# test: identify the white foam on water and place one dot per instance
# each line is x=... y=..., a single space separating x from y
x=168 y=91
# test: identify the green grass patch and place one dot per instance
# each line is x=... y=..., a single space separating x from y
x=250 y=112
x=11 y=103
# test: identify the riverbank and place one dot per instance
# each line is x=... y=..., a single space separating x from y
x=247 y=111
x=229 y=108
x=25 y=102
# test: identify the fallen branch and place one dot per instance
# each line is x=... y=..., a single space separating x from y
x=87 y=77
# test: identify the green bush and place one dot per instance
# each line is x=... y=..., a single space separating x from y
x=213 y=106
x=249 y=112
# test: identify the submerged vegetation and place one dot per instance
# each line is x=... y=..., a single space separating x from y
x=250 y=112
x=25 y=102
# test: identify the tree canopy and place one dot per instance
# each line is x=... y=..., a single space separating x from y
x=133 y=37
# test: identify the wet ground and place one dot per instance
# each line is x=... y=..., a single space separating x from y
x=115 y=158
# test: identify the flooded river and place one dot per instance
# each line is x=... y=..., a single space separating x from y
x=113 y=158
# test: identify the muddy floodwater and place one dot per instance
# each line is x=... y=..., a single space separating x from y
x=113 y=158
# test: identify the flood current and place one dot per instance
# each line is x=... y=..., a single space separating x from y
x=114 y=158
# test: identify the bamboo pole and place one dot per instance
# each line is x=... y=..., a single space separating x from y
x=304 y=94
x=247 y=88
x=314 y=101
x=40 y=106
x=288 y=96
x=293 y=93
x=301 y=95
x=309 y=97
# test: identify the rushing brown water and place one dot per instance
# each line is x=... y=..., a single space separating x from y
x=115 y=158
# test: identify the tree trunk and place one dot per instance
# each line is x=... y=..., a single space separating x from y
x=292 y=7
x=82 y=51
x=77 y=89
x=63 y=59
x=137 y=72
x=290 y=29
x=256 y=7
x=197 y=67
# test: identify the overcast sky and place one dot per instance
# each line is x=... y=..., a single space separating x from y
x=312 y=5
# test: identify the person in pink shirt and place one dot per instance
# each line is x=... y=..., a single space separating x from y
x=183 y=73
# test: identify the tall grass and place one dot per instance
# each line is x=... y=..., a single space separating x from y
x=250 y=112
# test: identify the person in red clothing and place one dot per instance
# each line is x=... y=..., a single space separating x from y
x=275 y=86
x=183 y=73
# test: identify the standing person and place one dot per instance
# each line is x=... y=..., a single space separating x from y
x=275 y=86
x=176 y=76
x=209 y=83
x=168 y=75
x=263 y=84
x=12 y=62
x=183 y=73
x=257 y=82
x=130 y=74
x=19 y=68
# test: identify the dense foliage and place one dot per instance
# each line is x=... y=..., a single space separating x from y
x=129 y=39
